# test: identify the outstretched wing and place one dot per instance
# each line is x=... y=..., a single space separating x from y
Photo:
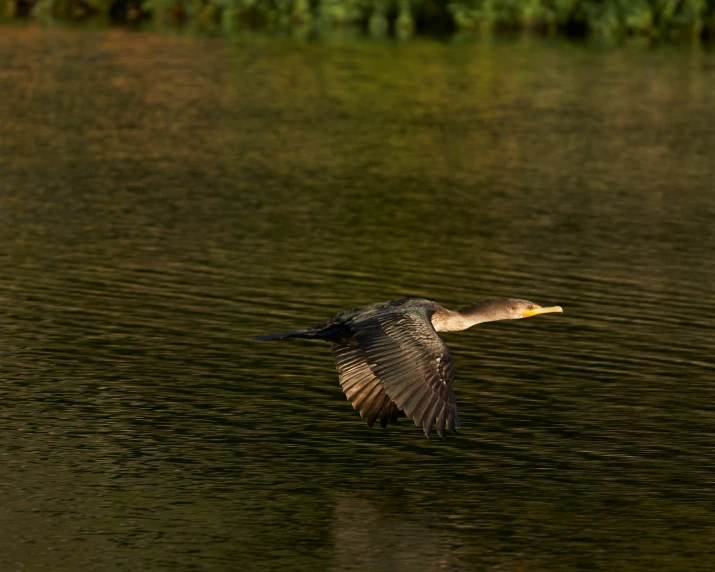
x=412 y=364
x=361 y=387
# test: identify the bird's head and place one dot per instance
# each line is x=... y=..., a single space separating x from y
x=494 y=309
x=524 y=309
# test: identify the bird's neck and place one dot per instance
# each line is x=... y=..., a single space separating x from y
x=445 y=320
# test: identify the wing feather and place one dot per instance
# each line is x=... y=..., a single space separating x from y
x=361 y=386
x=412 y=363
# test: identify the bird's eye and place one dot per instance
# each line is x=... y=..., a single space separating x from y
x=530 y=307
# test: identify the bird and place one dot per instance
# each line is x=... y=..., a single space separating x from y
x=392 y=362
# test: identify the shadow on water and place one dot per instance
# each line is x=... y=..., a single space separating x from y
x=164 y=199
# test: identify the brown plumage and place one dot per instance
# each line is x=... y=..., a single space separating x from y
x=391 y=361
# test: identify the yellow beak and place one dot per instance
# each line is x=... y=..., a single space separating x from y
x=539 y=310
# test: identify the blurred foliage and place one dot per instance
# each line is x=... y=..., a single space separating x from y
x=401 y=18
x=654 y=18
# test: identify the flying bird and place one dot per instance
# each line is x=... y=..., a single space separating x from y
x=392 y=362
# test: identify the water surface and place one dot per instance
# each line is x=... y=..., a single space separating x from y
x=163 y=199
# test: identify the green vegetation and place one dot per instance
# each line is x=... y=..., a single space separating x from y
x=401 y=18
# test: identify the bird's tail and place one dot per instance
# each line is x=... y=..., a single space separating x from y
x=311 y=334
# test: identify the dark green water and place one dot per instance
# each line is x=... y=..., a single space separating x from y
x=164 y=199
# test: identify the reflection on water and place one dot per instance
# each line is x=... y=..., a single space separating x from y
x=164 y=199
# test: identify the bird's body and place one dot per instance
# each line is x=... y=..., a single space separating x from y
x=391 y=361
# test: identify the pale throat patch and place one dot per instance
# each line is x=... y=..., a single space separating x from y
x=447 y=321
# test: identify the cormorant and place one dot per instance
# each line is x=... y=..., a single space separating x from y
x=391 y=361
